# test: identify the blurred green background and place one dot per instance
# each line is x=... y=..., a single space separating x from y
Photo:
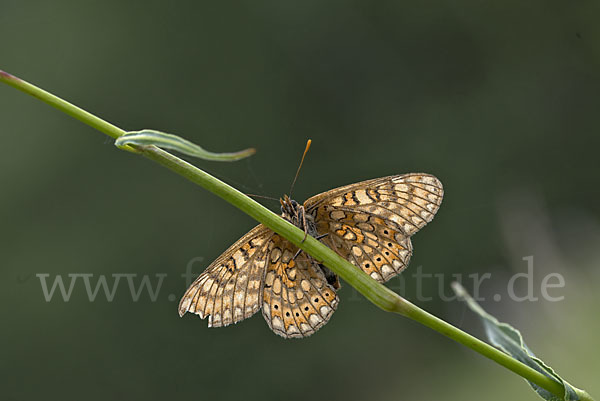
x=500 y=101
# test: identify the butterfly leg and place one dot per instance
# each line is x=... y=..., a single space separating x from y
x=317 y=237
x=297 y=253
x=301 y=208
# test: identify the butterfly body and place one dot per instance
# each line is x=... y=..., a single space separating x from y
x=296 y=214
x=368 y=223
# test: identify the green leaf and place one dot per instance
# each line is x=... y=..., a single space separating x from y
x=163 y=140
x=509 y=340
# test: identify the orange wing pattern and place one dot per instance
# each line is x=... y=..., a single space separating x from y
x=297 y=300
x=370 y=222
x=230 y=289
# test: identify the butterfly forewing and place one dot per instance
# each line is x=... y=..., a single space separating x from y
x=297 y=300
x=229 y=290
x=370 y=222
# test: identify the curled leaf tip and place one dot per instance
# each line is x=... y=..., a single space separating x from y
x=163 y=140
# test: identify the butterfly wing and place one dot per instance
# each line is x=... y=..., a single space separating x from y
x=370 y=223
x=229 y=290
x=297 y=300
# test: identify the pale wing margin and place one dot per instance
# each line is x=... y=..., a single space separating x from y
x=230 y=289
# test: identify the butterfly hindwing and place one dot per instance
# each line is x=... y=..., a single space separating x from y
x=229 y=290
x=378 y=250
x=297 y=300
x=370 y=222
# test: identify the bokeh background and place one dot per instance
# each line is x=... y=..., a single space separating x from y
x=499 y=100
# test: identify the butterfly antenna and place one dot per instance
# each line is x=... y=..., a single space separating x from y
x=262 y=196
x=300 y=166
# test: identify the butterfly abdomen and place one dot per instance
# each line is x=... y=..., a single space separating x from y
x=332 y=278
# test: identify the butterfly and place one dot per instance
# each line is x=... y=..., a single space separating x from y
x=369 y=223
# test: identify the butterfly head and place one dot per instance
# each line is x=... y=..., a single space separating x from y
x=290 y=209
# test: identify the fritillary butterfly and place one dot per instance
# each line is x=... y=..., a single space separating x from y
x=369 y=223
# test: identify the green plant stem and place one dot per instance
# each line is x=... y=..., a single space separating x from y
x=372 y=290
x=66 y=107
